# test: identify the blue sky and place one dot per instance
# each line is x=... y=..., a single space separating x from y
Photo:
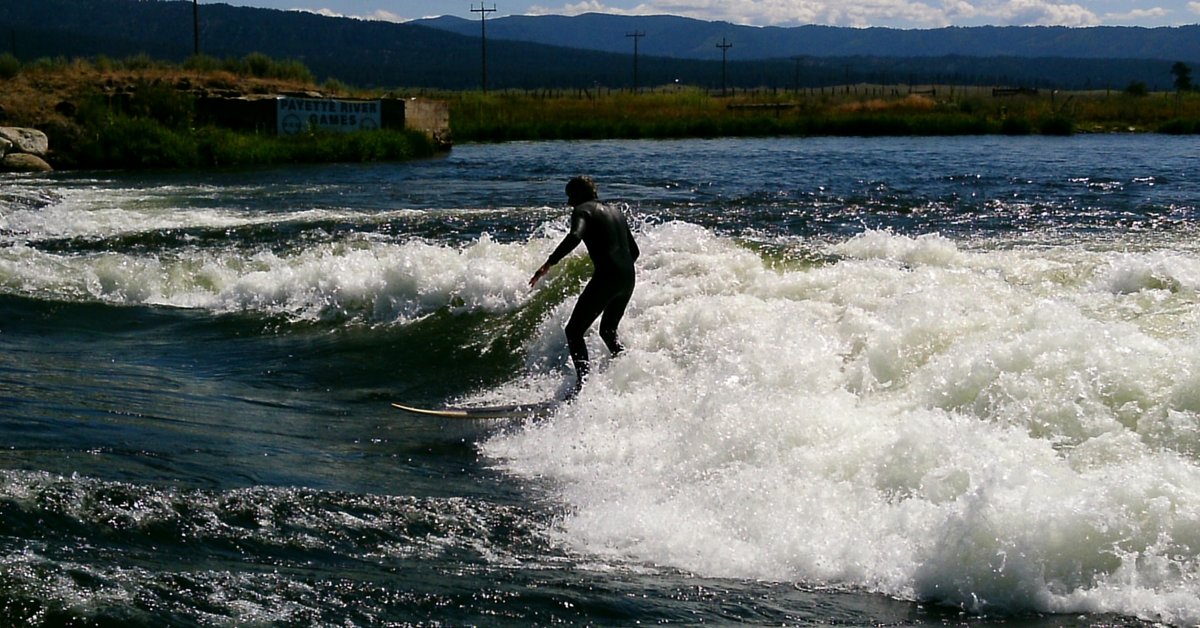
x=860 y=13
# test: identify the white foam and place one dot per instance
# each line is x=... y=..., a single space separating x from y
x=1012 y=428
x=104 y=210
x=365 y=280
x=367 y=277
x=1002 y=429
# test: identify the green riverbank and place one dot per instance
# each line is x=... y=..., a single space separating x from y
x=849 y=110
x=141 y=113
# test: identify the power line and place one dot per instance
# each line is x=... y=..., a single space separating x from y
x=724 y=46
x=483 y=11
x=636 y=35
x=196 y=27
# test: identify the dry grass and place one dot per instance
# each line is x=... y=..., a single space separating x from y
x=35 y=97
x=40 y=95
x=910 y=103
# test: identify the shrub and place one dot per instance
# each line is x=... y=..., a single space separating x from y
x=222 y=147
x=1137 y=89
x=334 y=86
x=10 y=66
x=92 y=113
x=163 y=103
x=942 y=124
x=152 y=101
x=202 y=63
x=136 y=143
x=1057 y=125
x=48 y=65
x=1179 y=126
x=259 y=65
x=1014 y=125
x=292 y=70
x=140 y=61
x=104 y=63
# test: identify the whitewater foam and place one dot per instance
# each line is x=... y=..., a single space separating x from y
x=1004 y=430
x=1011 y=428
x=371 y=281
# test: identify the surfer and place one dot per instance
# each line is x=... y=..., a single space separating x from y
x=610 y=244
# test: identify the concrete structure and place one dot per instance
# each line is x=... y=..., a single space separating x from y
x=262 y=113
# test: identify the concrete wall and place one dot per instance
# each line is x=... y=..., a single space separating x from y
x=246 y=113
x=429 y=116
x=258 y=114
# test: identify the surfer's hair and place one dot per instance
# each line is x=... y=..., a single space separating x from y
x=582 y=188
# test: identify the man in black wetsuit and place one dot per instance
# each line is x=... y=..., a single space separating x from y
x=611 y=246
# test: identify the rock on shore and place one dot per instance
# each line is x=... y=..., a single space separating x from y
x=23 y=150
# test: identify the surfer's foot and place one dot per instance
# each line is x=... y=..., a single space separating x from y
x=582 y=368
x=610 y=340
x=573 y=391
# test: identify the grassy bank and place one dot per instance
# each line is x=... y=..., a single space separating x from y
x=857 y=110
x=125 y=142
x=140 y=113
x=154 y=127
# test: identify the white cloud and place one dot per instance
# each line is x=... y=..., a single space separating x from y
x=588 y=6
x=1035 y=13
x=385 y=16
x=773 y=12
x=860 y=13
x=325 y=12
x=378 y=15
x=959 y=9
x=1135 y=15
x=1194 y=7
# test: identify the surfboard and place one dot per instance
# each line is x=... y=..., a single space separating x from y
x=512 y=411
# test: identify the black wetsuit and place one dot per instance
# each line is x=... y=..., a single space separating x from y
x=611 y=246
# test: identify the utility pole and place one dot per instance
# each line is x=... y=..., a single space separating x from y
x=724 y=46
x=796 y=83
x=196 y=27
x=636 y=35
x=483 y=11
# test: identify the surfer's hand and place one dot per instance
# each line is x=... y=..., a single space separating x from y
x=541 y=272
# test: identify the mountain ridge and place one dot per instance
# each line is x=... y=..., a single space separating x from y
x=681 y=37
x=416 y=55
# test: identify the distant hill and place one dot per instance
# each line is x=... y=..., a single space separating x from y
x=573 y=53
x=685 y=38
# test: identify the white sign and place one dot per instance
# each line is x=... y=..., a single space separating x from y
x=301 y=115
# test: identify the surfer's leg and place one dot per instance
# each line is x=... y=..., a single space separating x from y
x=587 y=309
x=613 y=312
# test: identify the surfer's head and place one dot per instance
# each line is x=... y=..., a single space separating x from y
x=581 y=190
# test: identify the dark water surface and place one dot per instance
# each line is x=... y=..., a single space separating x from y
x=893 y=382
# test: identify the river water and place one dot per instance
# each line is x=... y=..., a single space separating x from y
x=901 y=381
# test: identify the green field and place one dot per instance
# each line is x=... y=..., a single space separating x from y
x=862 y=110
x=155 y=125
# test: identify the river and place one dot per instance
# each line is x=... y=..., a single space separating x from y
x=892 y=381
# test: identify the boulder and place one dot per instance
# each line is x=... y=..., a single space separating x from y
x=24 y=162
x=5 y=146
x=31 y=141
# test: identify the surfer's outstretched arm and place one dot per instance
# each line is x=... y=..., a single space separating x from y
x=568 y=244
x=539 y=273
